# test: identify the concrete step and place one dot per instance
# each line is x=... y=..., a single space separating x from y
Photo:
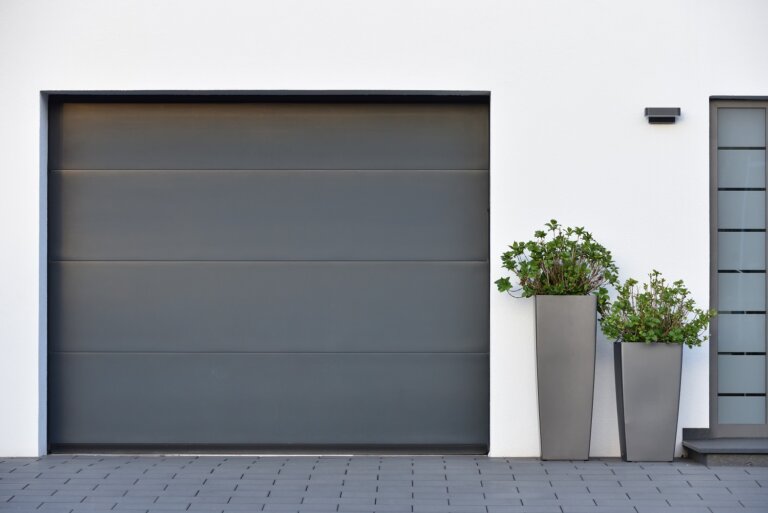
x=728 y=451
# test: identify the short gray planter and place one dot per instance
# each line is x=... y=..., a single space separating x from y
x=565 y=365
x=647 y=398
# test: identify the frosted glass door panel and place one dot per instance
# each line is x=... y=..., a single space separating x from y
x=741 y=209
x=741 y=292
x=741 y=333
x=741 y=374
x=741 y=410
x=741 y=168
x=740 y=128
x=741 y=251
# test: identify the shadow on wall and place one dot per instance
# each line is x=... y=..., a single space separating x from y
x=605 y=427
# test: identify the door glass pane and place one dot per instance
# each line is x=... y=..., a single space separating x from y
x=740 y=128
x=740 y=333
x=741 y=168
x=741 y=251
x=741 y=292
x=741 y=374
x=741 y=410
x=741 y=209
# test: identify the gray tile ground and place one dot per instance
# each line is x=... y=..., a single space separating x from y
x=422 y=484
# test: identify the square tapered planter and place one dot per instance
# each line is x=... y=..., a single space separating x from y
x=565 y=365
x=647 y=398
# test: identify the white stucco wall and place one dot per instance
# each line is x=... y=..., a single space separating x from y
x=568 y=82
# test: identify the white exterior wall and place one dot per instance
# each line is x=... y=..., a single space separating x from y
x=568 y=80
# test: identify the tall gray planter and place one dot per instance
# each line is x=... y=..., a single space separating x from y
x=647 y=398
x=565 y=364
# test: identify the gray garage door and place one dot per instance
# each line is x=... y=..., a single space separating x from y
x=299 y=273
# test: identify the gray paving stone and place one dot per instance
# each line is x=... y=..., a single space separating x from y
x=645 y=494
x=558 y=502
x=44 y=498
x=677 y=492
x=678 y=509
x=566 y=495
x=459 y=484
x=4 y=487
x=524 y=509
x=754 y=503
x=260 y=483
x=120 y=506
x=15 y=506
x=406 y=501
x=182 y=506
x=98 y=507
x=538 y=494
x=748 y=491
x=449 y=509
x=376 y=509
x=717 y=509
x=232 y=507
x=54 y=508
x=599 y=509
x=318 y=493
x=340 y=500
x=581 y=489
x=486 y=502
x=606 y=484
x=614 y=502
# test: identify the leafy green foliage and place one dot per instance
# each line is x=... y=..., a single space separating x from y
x=656 y=312
x=560 y=261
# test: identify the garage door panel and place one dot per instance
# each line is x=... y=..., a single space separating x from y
x=295 y=272
x=272 y=399
x=269 y=306
x=269 y=215
x=270 y=136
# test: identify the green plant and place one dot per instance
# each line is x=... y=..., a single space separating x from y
x=560 y=261
x=656 y=312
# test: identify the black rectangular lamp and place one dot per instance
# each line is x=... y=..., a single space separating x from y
x=662 y=115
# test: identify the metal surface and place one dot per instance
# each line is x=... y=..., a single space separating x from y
x=565 y=363
x=298 y=272
x=266 y=135
x=262 y=399
x=269 y=307
x=647 y=398
x=662 y=115
x=269 y=215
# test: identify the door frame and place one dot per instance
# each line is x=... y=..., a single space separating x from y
x=715 y=428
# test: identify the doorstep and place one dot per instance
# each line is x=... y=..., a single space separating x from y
x=725 y=451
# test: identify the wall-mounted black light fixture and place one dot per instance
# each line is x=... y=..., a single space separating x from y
x=662 y=115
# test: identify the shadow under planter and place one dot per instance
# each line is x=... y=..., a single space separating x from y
x=647 y=398
x=565 y=364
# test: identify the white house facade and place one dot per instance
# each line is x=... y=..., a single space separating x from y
x=539 y=111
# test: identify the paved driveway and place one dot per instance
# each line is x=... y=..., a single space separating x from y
x=461 y=484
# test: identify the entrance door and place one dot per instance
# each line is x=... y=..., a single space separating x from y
x=738 y=347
